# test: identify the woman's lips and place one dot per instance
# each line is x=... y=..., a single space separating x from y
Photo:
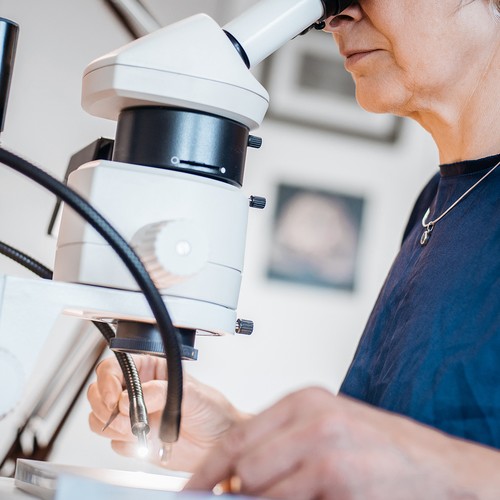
x=354 y=57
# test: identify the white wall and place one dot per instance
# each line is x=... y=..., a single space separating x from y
x=303 y=335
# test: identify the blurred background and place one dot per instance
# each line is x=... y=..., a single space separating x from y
x=339 y=184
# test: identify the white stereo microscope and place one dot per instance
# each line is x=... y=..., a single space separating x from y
x=185 y=102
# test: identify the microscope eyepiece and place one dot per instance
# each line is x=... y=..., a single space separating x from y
x=334 y=7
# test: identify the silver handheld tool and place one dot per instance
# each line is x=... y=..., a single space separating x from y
x=112 y=417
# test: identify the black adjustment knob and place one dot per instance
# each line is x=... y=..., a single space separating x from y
x=244 y=326
x=254 y=141
x=257 y=202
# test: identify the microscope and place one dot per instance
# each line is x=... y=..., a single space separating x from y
x=170 y=183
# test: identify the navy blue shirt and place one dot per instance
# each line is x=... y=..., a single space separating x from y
x=431 y=348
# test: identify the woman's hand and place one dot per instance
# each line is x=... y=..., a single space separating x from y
x=206 y=413
x=314 y=445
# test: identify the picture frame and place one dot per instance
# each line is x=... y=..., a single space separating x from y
x=316 y=237
x=308 y=85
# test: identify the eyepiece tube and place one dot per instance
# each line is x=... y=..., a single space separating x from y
x=269 y=24
x=8 y=41
x=334 y=7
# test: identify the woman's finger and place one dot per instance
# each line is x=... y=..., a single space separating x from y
x=99 y=408
x=303 y=483
x=155 y=395
x=109 y=382
x=220 y=463
x=125 y=448
x=280 y=454
x=119 y=429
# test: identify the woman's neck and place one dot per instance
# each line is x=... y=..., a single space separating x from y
x=466 y=124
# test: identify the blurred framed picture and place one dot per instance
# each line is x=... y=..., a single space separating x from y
x=308 y=85
x=315 y=239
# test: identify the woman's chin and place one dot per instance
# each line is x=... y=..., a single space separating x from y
x=381 y=100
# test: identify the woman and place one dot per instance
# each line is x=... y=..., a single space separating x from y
x=432 y=343
x=431 y=348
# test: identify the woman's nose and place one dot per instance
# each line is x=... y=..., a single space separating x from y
x=351 y=14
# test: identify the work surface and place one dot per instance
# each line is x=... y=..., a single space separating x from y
x=8 y=491
x=50 y=481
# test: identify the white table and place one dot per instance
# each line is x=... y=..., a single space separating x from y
x=9 y=492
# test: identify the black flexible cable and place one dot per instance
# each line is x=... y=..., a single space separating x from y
x=170 y=424
x=138 y=411
x=25 y=261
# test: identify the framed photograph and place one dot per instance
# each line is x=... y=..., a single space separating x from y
x=315 y=237
x=308 y=85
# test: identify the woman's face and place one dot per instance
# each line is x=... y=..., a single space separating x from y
x=410 y=56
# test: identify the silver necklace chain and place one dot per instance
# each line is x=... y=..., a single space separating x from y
x=429 y=226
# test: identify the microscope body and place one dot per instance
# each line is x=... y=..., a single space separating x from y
x=188 y=230
x=185 y=104
x=173 y=187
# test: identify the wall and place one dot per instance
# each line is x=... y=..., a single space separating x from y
x=303 y=335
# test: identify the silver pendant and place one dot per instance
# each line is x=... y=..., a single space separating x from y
x=426 y=235
x=429 y=226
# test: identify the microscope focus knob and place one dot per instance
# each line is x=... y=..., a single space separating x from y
x=257 y=202
x=244 y=326
x=254 y=141
x=171 y=251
